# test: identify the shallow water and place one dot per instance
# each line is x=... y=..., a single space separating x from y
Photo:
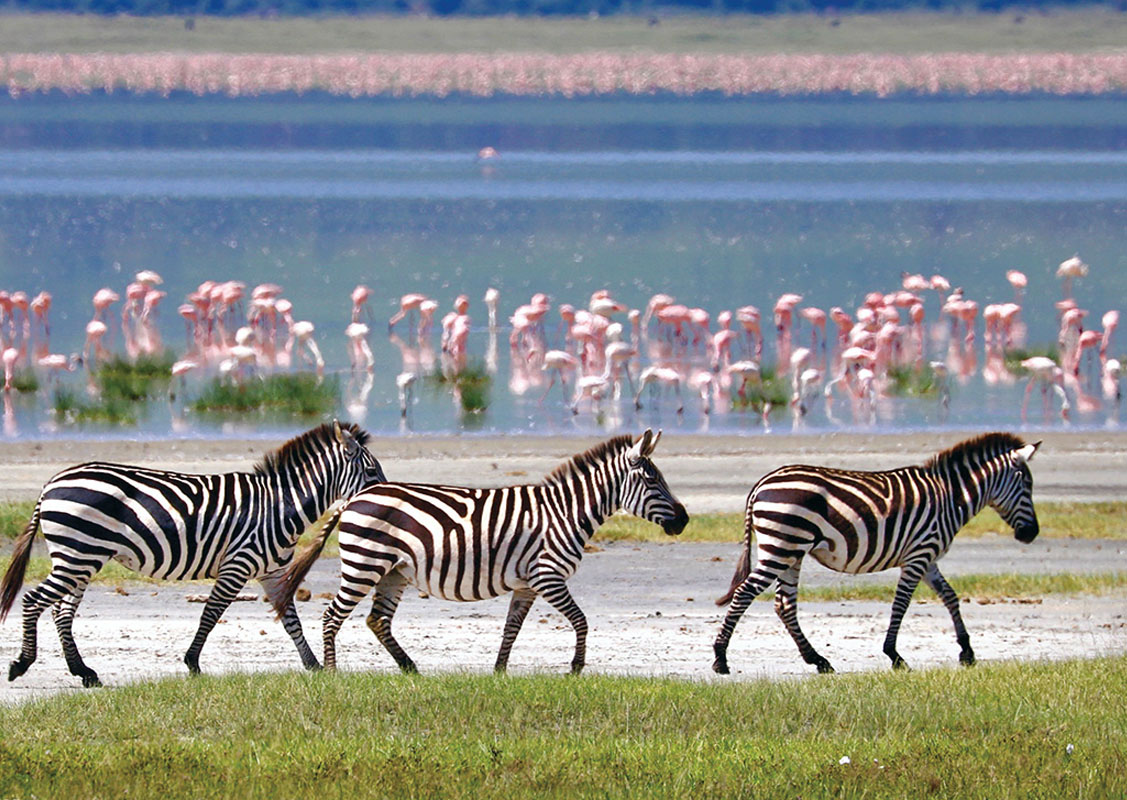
x=718 y=202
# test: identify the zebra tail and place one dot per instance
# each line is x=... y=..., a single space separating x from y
x=13 y=578
x=743 y=566
x=301 y=565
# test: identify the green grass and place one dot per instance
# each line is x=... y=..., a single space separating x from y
x=995 y=731
x=980 y=588
x=1081 y=30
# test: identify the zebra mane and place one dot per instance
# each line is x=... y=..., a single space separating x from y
x=316 y=438
x=596 y=455
x=983 y=447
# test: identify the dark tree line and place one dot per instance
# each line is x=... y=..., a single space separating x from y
x=518 y=7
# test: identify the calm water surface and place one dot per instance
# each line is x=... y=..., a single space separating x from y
x=720 y=203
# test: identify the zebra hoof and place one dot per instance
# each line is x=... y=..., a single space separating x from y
x=901 y=664
x=577 y=668
x=90 y=680
x=314 y=667
x=17 y=668
x=720 y=667
x=825 y=668
x=966 y=658
x=409 y=668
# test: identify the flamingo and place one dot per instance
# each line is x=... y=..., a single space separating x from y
x=407 y=303
x=658 y=377
x=557 y=362
x=1045 y=372
x=360 y=296
x=1069 y=270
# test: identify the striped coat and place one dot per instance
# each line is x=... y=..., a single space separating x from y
x=469 y=544
x=231 y=528
x=859 y=522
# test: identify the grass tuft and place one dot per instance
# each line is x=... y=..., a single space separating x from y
x=300 y=394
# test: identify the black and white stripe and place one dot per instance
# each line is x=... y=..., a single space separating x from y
x=231 y=528
x=857 y=522
x=470 y=544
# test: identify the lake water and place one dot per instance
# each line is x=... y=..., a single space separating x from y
x=718 y=202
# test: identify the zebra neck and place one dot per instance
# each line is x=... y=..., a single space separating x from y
x=293 y=506
x=583 y=505
x=966 y=489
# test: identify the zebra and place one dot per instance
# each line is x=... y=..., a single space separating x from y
x=860 y=522
x=471 y=544
x=175 y=526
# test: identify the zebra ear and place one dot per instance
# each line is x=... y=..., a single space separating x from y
x=345 y=439
x=1026 y=453
x=653 y=444
x=644 y=446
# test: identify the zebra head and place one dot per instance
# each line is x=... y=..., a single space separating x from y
x=644 y=491
x=360 y=467
x=1012 y=496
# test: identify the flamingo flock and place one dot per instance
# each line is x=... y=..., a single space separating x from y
x=603 y=358
x=590 y=356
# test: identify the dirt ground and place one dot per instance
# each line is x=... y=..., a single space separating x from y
x=649 y=606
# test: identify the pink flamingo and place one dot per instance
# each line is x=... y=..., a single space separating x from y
x=1048 y=375
x=359 y=352
x=749 y=319
x=1018 y=281
x=817 y=319
x=11 y=358
x=784 y=318
x=492 y=296
x=360 y=296
x=407 y=303
x=1069 y=270
x=558 y=362
x=722 y=341
x=1110 y=322
x=303 y=334
x=94 y=351
x=659 y=377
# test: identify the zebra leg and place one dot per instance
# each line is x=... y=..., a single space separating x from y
x=519 y=604
x=753 y=585
x=388 y=594
x=786 y=606
x=553 y=588
x=231 y=579
x=290 y=621
x=64 y=612
x=354 y=586
x=951 y=601
x=56 y=586
x=910 y=576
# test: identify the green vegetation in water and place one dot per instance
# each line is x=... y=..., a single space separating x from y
x=912 y=381
x=135 y=381
x=1006 y=730
x=25 y=382
x=70 y=409
x=472 y=386
x=771 y=388
x=301 y=394
x=122 y=391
